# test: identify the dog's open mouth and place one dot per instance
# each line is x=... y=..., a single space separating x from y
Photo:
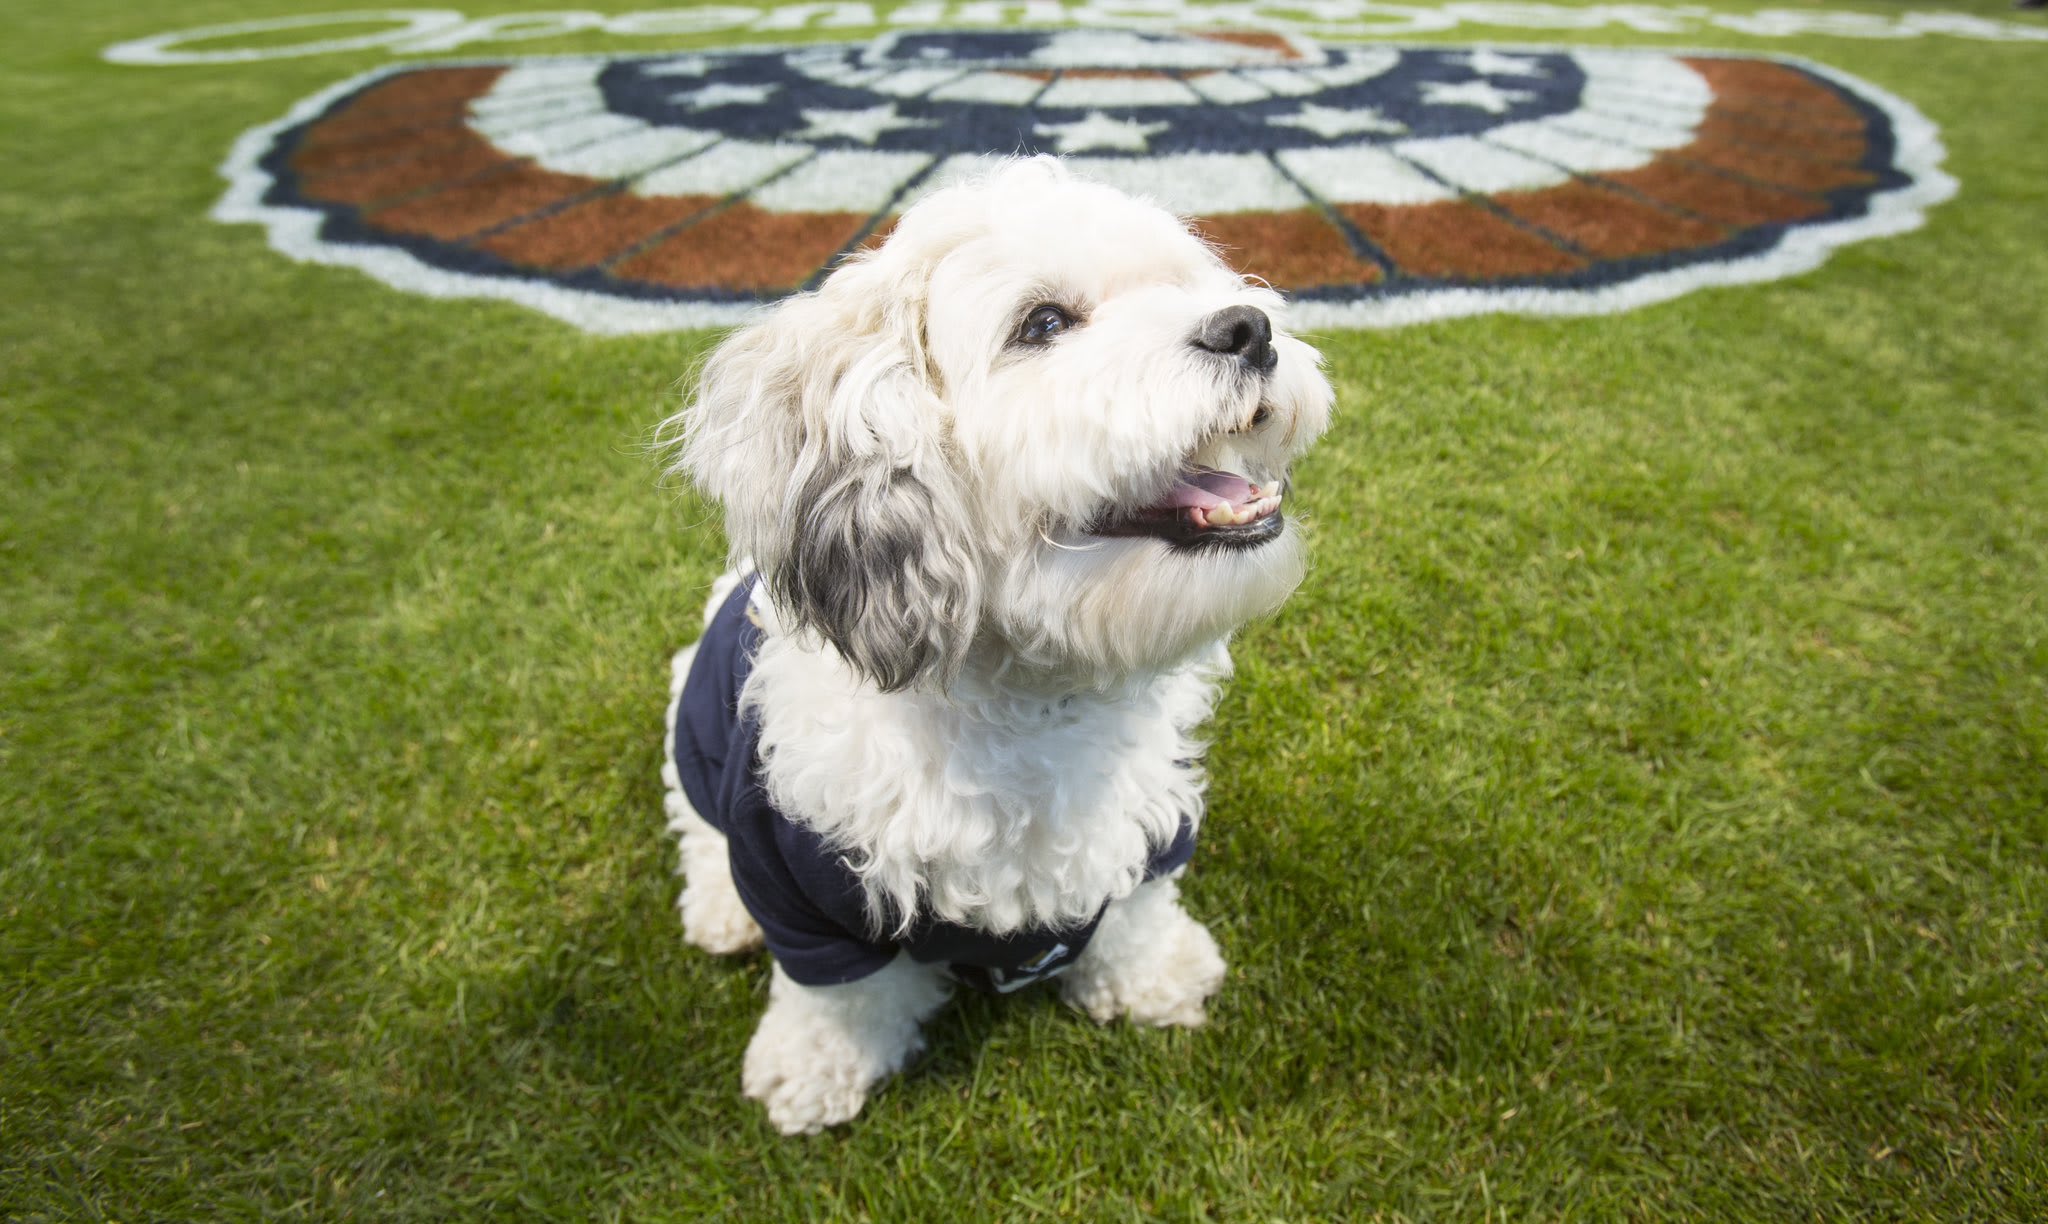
x=1207 y=506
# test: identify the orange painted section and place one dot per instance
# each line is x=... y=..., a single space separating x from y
x=745 y=248
x=587 y=234
x=1608 y=224
x=465 y=209
x=1456 y=240
x=1293 y=250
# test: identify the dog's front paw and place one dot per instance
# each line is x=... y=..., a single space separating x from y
x=714 y=917
x=1149 y=961
x=714 y=920
x=811 y=1080
x=821 y=1049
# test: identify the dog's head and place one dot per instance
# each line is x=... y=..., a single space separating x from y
x=1042 y=424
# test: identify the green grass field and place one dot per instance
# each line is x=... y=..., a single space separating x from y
x=1641 y=812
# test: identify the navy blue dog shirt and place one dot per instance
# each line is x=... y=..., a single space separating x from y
x=808 y=902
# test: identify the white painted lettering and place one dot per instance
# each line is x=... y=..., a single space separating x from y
x=1011 y=12
x=427 y=31
x=924 y=12
x=835 y=17
x=1380 y=20
x=1653 y=18
x=512 y=27
x=1527 y=16
x=1962 y=25
x=1783 y=23
x=666 y=23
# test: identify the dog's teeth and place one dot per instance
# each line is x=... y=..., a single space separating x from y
x=1222 y=516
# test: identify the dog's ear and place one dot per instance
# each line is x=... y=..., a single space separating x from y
x=819 y=429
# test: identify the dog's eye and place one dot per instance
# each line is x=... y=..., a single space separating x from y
x=1043 y=323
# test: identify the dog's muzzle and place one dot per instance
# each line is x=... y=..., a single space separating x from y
x=1215 y=501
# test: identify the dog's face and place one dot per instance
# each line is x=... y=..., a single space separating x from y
x=1041 y=425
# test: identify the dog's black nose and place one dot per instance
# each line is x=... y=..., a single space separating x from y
x=1243 y=332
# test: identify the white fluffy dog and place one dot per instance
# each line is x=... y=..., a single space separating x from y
x=1001 y=491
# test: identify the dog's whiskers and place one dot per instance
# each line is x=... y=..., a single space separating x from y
x=1066 y=547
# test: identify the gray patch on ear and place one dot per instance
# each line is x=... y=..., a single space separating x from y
x=876 y=564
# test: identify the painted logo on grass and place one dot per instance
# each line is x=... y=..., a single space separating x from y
x=1376 y=185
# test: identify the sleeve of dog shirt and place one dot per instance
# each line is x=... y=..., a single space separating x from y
x=1177 y=853
x=809 y=906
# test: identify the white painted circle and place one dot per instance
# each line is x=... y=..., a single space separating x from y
x=167 y=49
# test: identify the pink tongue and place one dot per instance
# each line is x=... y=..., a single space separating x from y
x=1208 y=489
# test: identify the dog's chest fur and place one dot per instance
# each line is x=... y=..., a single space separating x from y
x=999 y=814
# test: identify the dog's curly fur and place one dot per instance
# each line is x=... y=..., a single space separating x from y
x=968 y=677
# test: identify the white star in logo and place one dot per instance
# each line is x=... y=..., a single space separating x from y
x=724 y=95
x=862 y=125
x=681 y=65
x=1493 y=63
x=1330 y=122
x=1099 y=131
x=1481 y=94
